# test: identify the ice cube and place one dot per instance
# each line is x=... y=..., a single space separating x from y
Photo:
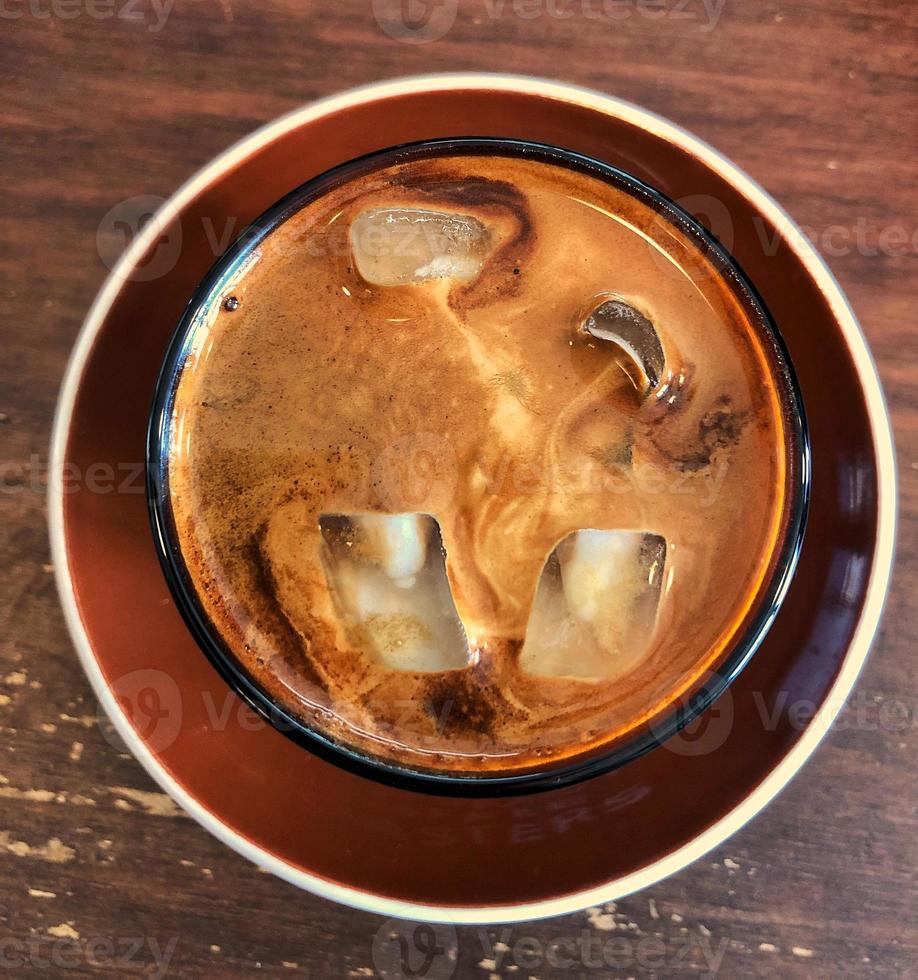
x=620 y=323
x=395 y=246
x=387 y=576
x=595 y=607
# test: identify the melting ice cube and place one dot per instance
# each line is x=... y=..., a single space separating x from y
x=394 y=246
x=596 y=604
x=387 y=575
x=618 y=322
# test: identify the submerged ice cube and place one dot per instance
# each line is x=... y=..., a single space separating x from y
x=596 y=604
x=395 y=246
x=387 y=576
x=620 y=323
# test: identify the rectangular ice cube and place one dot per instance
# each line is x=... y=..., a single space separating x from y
x=595 y=606
x=387 y=576
x=395 y=246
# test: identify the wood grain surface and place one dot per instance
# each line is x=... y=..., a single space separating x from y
x=106 y=100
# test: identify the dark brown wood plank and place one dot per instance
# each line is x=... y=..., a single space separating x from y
x=815 y=98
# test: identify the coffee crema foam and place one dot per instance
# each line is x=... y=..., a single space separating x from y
x=478 y=462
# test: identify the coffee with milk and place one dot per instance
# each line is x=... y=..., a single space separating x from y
x=479 y=458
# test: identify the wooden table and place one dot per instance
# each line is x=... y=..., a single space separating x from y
x=814 y=98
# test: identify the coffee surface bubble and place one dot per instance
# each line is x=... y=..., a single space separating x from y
x=484 y=464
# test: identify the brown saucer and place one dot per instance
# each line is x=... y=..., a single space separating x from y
x=389 y=850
